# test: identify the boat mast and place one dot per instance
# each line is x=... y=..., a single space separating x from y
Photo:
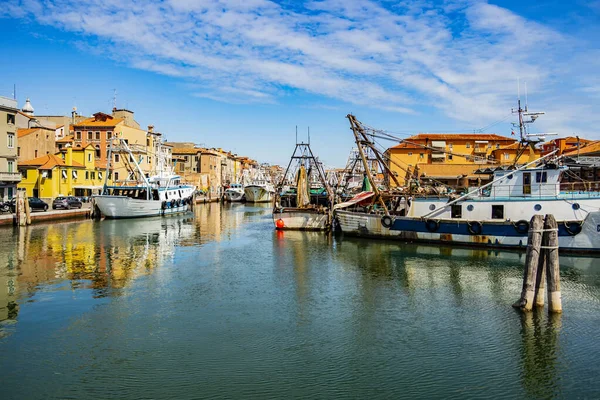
x=359 y=143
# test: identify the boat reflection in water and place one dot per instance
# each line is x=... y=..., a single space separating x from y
x=106 y=256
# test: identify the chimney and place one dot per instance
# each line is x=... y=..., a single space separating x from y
x=69 y=156
x=150 y=128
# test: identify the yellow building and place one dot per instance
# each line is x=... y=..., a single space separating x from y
x=447 y=157
x=72 y=171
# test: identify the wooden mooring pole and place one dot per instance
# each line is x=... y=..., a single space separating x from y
x=553 y=265
x=541 y=266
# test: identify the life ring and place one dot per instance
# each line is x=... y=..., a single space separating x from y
x=572 y=228
x=432 y=225
x=521 y=226
x=475 y=227
x=387 y=221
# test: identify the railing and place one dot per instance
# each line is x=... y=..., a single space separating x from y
x=10 y=176
x=543 y=190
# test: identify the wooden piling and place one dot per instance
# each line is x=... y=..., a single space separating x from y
x=534 y=242
x=553 y=271
x=540 y=281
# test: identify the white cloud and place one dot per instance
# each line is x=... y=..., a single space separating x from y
x=461 y=57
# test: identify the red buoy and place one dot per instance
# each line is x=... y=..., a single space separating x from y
x=279 y=224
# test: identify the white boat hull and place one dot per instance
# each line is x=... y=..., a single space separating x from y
x=126 y=207
x=370 y=225
x=301 y=220
x=257 y=194
x=233 y=195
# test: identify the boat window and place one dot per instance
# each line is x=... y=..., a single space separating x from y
x=155 y=195
x=166 y=195
x=526 y=182
x=497 y=212
x=456 y=211
x=541 y=177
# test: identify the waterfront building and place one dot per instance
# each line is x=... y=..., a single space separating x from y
x=564 y=145
x=186 y=160
x=9 y=176
x=72 y=171
x=35 y=142
x=101 y=128
x=448 y=157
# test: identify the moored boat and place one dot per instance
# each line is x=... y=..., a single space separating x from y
x=162 y=194
x=306 y=203
x=234 y=193
x=493 y=215
x=260 y=190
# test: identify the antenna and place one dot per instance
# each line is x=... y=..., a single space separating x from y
x=14 y=91
x=296 y=134
x=525 y=96
x=518 y=88
x=309 y=135
x=114 y=98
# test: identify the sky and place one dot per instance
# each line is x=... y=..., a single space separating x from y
x=245 y=74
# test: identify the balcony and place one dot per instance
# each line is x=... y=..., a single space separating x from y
x=10 y=176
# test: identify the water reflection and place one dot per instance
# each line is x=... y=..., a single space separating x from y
x=539 y=354
x=104 y=256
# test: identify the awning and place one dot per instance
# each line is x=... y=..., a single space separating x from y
x=362 y=196
x=87 y=187
x=438 y=143
x=442 y=155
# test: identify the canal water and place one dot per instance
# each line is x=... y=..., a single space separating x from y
x=219 y=305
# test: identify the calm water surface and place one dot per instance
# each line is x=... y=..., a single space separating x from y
x=218 y=305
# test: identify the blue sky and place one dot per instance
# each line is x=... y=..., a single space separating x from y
x=242 y=74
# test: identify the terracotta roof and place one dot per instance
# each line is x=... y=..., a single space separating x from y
x=186 y=150
x=48 y=161
x=460 y=136
x=92 y=122
x=408 y=146
x=24 y=131
x=593 y=147
x=66 y=139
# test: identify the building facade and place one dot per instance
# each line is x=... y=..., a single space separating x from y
x=9 y=175
x=444 y=157
x=70 y=172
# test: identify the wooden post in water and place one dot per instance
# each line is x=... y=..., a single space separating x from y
x=553 y=272
x=27 y=210
x=540 y=281
x=534 y=241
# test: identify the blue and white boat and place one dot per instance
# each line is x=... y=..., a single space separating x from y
x=497 y=215
x=493 y=215
x=162 y=194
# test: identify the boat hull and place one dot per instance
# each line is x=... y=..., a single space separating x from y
x=584 y=236
x=257 y=194
x=298 y=219
x=233 y=196
x=126 y=207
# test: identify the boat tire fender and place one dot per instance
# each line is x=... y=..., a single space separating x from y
x=522 y=226
x=572 y=228
x=475 y=227
x=432 y=225
x=387 y=221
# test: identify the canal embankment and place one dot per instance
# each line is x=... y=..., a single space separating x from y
x=48 y=216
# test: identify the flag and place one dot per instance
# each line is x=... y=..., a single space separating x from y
x=513 y=133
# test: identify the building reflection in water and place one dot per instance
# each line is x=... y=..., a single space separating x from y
x=101 y=256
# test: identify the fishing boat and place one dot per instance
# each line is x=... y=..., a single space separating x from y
x=304 y=201
x=493 y=215
x=234 y=193
x=260 y=189
x=162 y=194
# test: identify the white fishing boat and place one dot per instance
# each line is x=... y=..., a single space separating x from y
x=307 y=204
x=234 y=193
x=494 y=215
x=260 y=190
x=162 y=194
